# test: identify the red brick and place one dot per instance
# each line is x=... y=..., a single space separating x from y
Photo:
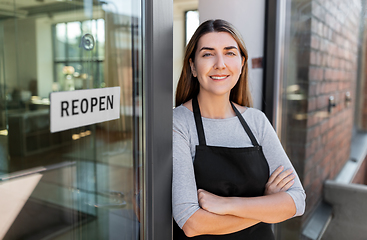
x=313 y=59
x=307 y=180
x=311 y=120
x=311 y=104
x=327 y=74
x=314 y=25
x=324 y=126
x=319 y=28
x=325 y=33
x=322 y=102
x=310 y=149
x=316 y=74
x=312 y=89
x=315 y=42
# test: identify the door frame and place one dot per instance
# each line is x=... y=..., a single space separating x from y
x=157 y=121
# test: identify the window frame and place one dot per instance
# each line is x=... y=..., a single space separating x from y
x=95 y=59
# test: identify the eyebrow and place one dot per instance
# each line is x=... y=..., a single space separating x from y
x=212 y=49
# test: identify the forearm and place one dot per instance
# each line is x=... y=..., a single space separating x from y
x=270 y=209
x=204 y=222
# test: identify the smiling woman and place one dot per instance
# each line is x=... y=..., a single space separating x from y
x=231 y=176
x=188 y=86
x=218 y=63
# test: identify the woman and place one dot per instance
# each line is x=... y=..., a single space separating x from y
x=231 y=176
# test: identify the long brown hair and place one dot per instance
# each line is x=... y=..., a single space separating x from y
x=188 y=85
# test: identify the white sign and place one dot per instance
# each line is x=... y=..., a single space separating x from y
x=83 y=107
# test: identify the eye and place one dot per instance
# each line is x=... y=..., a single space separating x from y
x=231 y=54
x=207 y=54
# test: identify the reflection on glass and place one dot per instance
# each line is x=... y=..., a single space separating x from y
x=89 y=181
x=60 y=42
x=86 y=58
x=73 y=39
x=100 y=39
x=17 y=192
x=293 y=95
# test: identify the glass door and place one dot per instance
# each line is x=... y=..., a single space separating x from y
x=80 y=183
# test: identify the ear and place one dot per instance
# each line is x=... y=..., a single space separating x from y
x=243 y=60
x=192 y=66
x=243 y=63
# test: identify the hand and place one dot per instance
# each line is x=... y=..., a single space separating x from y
x=213 y=203
x=279 y=181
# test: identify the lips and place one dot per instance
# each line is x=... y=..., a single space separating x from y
x=221 y=77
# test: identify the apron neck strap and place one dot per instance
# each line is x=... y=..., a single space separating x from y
x=198 y=121
x=200 y=128
x=245 y=126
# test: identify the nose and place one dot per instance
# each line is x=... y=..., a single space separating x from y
x=220 y=63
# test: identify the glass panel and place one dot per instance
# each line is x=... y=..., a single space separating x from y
x=89 y=27
x=81 y=183
x=60 y=71
x=100 y=39
x=73 y=37
x=60 y=41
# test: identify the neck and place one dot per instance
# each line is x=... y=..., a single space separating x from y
x=216 y=107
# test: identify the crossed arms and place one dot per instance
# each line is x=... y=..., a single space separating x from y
x=223 y=215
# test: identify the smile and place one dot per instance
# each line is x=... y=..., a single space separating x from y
x=218 y=77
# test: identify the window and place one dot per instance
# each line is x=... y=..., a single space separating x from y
x=73 y=68
x=191 y=23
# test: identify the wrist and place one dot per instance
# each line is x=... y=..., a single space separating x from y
x=231 y=205
x=237 y=206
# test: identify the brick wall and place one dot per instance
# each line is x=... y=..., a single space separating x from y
x=332 y=72
x=322 y=62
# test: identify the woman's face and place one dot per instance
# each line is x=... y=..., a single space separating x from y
x=218 y=63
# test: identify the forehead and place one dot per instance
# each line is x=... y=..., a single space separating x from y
x=218 y=40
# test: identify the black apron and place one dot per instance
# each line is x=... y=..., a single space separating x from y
x=230 y=172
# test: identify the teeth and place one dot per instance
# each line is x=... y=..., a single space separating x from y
x=218 y=78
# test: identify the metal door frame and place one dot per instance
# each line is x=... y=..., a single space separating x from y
x=157 y=121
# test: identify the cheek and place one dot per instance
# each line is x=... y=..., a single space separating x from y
x=236 y=66
x=202 y=67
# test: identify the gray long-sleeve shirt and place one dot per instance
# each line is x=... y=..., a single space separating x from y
x=226 y=132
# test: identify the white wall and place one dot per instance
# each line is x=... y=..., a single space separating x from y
x=248 y=16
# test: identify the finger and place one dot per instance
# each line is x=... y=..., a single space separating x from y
x=202 y=191
x=287 y=186
x=286 y=180
x=200 y=194
x=275 y=174
x=282 y=175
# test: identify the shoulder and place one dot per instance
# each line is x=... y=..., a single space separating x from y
x=256 y=114
x=181 y=112
x=256 y=118
x=259 y=123
x=250 y=113
x=188 y=105
x=182 y=123
x=182 y=117
x=240 y=108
